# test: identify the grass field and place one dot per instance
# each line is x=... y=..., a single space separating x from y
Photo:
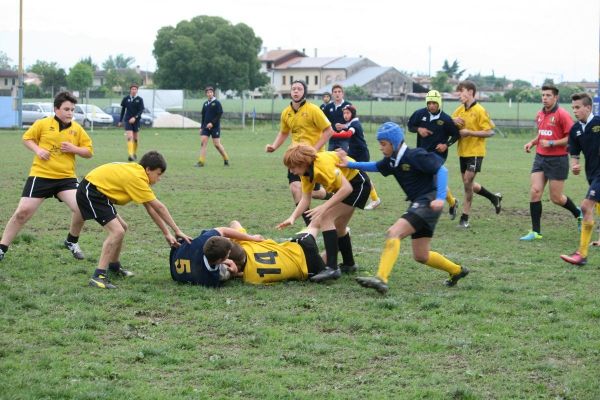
x=522 y=325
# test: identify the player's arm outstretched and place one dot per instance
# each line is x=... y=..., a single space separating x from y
x=302 y=206
x=162 y=218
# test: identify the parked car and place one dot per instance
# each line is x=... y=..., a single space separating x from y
x=85 y=114
x=34 y=111
x=114 y=110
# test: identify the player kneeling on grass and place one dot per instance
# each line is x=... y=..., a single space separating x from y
x=351 y=189
x=120 y=183
x=268 y=261
x=205 y=260
x=423 y=178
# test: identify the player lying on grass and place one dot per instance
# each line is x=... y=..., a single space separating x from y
x=204 y=260
x=351 y=189
x=268 y=261
x=423 y=177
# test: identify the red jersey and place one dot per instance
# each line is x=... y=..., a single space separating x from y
x=553 y=125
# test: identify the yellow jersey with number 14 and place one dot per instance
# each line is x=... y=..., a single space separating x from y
x=269 y=261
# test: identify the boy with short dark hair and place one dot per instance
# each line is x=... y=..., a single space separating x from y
x=121 y=183
x=55 y=141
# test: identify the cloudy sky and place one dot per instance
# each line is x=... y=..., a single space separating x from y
x=524 y=39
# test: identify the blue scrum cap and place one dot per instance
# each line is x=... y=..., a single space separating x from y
x=391 y=132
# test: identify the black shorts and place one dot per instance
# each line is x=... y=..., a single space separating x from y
x=314 y=261
x=422 y=218
x=296 y=178
x=555 y=168
x=361 y=189
x=132 y=127
x=593 y=192
x=43 y=188
x=472 y=164
x=94 y=205
x=213 y=133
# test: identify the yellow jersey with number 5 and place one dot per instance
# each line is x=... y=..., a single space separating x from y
x=269 y=261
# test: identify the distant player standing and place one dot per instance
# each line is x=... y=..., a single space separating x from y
x=132 y=107
x=551 y=163
x=334 y=112
x=585 y=137
x=435 y=133
x=211 y=126
x=475 y=126
x=307 y=124
x=55 y=141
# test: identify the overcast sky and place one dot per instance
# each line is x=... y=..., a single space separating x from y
x=519 y=39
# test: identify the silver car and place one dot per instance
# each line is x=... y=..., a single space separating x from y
x=86 y=114
x=34 y=111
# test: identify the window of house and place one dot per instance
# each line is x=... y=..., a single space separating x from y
x=316 y=80
x=291 y=78
x=307 y=80
x=283 y=79
x=5 y=81
x=13 y=81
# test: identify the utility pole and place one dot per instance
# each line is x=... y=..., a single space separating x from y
x=20 y=84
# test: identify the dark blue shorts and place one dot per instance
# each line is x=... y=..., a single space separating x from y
x=132 y=127
x=593 y=192
x=213 y=133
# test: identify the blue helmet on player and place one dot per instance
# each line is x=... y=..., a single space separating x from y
x=392 y=133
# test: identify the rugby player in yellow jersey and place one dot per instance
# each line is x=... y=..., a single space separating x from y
x=55 y=141
x=474 y=126
x=261 y=262
x=307 y=124
x=121 y=183
x=350 y=188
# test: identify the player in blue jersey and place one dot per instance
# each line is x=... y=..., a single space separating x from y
x=584 y=137
x=201 y=261
x=423 y=177
x=435 y=133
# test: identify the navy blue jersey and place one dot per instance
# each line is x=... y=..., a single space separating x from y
x=587 y=141
x=189 y=265
x=358 y=146
x=442 y=128
x=334 y=114
x=132 y=107
x=211 y=112
x=415 y=172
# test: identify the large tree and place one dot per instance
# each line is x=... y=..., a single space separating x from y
x=453 y=71
x=80 y=76
x=5 y=61
x=208 y=50
x=51 y=75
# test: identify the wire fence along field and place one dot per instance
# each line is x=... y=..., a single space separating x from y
x=238 y=111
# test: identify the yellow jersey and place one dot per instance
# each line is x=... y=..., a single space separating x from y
x=476 y=119
x=122 y=182
x=46 y=134
x=305 y=125
x=326 y=172
x=269 y=261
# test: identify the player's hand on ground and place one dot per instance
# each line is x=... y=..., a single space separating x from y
x=43 y=154
x=269 y=148
x=286 y=223
x=424 y=132
x=437 y=205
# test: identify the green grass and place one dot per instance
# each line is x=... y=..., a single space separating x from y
x=523 y=324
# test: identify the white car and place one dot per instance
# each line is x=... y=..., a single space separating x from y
x=31 y=112
x=86 y=114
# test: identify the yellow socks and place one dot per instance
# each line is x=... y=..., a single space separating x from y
x=586 y=236
x=388 y=258
x=373 y=193
x=135 y=146
x=130 y=148
x=201 y=160
x=436 y=260
x=449 y=198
